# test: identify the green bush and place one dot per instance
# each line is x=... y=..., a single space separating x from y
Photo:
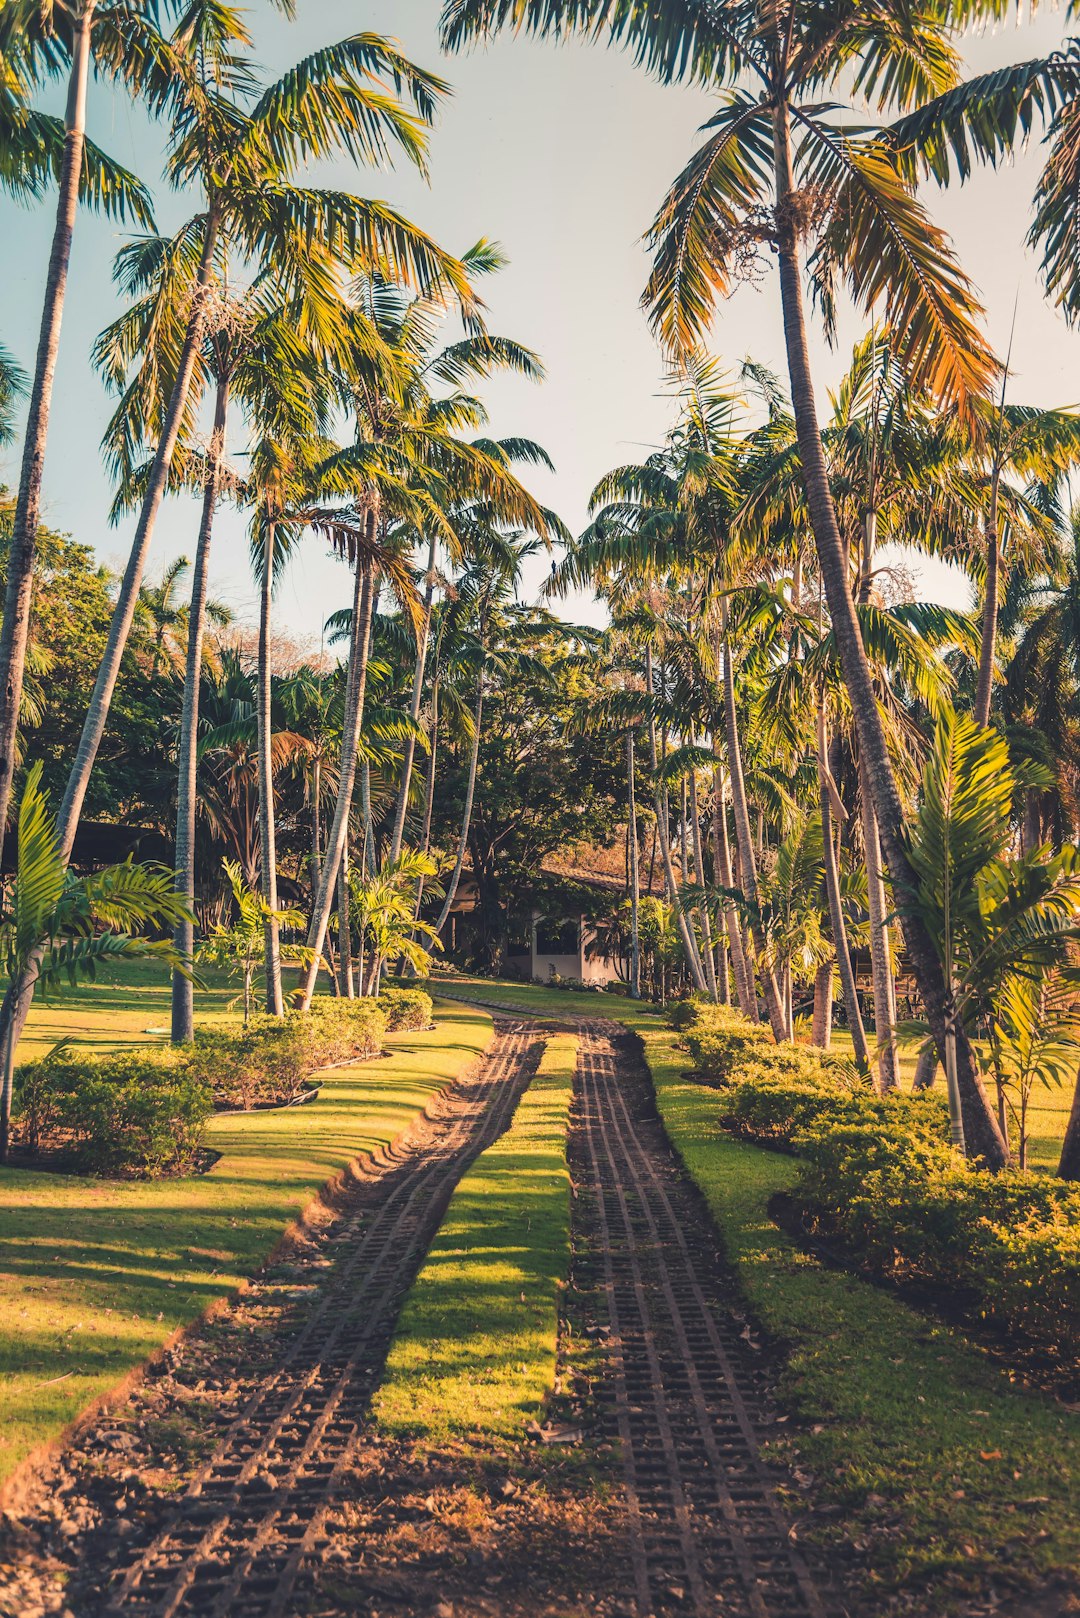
x=133 y=1113
x=775 y=1097
x=268 y=1063
x=405 y=1010
x=879 y=1172
x=143 y=1112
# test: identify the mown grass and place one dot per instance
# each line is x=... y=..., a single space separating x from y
x=95 y=1275
x=474 y=1353
x=946 y=1473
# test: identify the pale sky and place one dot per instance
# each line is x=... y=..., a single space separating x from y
x=561 y=153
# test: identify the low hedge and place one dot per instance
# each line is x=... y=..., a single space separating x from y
x=268 y=1063
x=142 y=1112
x=406 y=1010
x=879 y=1173
x=722 y=1042
x=1007 y=1244
x=118 y=1114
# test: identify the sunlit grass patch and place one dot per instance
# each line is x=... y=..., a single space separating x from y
x=95 y=1275
x=474 y=1355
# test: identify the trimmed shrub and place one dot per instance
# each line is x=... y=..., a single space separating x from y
x=1009 y=1243
x=879 y=1173
x=138 y=1113
x=142 y=1112
x=776 y=1097
x=405 y=1010
x=268 y=1063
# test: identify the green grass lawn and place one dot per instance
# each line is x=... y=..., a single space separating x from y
x=474 y=1355
x=923 y=1448
x=95 y=1275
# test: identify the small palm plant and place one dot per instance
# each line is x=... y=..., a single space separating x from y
x=238 y=945
x=59 y=927
x=1003 y=925
x=382 y=907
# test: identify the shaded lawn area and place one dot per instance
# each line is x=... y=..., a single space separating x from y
x=474 y=1354
x=95 y=1275
x=925 y=1450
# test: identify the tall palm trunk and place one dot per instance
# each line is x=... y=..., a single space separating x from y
x=429 y=790
x=414 y=708
x=267 y=840
x=1069 y=1163
x=982 y=1135
x=744 y=986
x=984 y=691
x=183 y=994
x=827 y=789
x=15 y=629
x=466 y=816
x=821 y=1030
x=355 y=687
x=16 y=1007
x=707 y=959
x=660 y=803
x=345 y=976
x=316 y=827
x=745 y=842
x=632 y=861
x=888 y=1061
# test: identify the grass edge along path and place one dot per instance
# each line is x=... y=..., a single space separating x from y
x=474 y=1354
x=940 y=1472
x=97 y=1276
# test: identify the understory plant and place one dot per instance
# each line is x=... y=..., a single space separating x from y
x=1003 y=922
x=58 y=927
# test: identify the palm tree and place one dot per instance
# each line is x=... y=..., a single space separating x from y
x=781 y=75
x=238 y=943
x=242 y=144
x=167 y=616
x=118 y=36
x=12 y=389
x=382 y=905
x=1002 y=925
x=500 y=632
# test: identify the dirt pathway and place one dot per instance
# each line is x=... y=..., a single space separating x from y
x=296 y=1505
x=286 y=1377
x=687 y=1396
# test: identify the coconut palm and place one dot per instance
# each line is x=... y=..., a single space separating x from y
x=241 y=143
x=789 y=161
x=118 y=37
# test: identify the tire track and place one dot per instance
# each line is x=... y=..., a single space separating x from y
x=685 y=1399
x=235 y=1545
